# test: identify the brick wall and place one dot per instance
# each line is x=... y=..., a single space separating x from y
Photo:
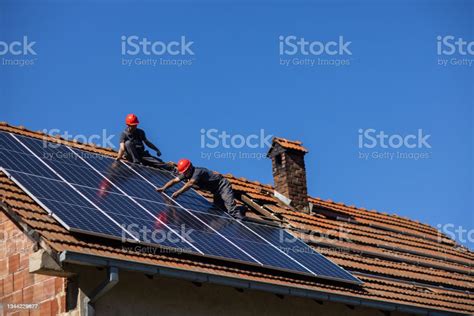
x=289 y=176
x=17 y=285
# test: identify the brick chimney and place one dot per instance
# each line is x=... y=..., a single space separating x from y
x=289 y=171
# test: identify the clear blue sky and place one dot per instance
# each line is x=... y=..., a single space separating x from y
x=236 y=84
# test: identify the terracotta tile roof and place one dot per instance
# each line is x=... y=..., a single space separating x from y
x=400 y=260
x=290 y=144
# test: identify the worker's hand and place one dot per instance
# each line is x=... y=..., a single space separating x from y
x=175 y=195
x=118 y=158
x=160 y=189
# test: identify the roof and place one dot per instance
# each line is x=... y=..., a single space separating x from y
x=289 y=144
x=400 y=261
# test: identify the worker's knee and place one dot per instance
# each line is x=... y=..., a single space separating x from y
x=227 y=195
x=128 y=144
x=228 y=201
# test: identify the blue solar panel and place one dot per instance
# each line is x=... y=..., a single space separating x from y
x=301 y=252
x=14 y=156
x=95 y=194
x=276 y=247
x=121 y=208
x=190 y=200
x=8 y=142
x=68 y=207
x=23 y=162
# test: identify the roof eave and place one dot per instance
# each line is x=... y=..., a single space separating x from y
x=78 y=258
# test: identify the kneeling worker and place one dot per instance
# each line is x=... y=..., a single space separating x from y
x=206 y=180
x=132 y=145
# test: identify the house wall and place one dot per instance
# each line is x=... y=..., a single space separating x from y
x=17 y=285
x=137 y=294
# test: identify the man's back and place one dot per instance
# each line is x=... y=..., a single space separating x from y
x=206 y=179
x=137 y=135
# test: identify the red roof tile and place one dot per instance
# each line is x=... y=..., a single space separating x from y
x=290 y=144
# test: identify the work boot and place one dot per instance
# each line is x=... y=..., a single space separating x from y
x=238 y=213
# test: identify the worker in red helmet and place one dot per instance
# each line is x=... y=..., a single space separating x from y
x=132 y=145
x=207 y=180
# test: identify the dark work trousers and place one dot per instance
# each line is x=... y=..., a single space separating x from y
x=224 y=199
x=137 y=154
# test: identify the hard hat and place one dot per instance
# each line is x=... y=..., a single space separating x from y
x=184 y=165
x=131 y=119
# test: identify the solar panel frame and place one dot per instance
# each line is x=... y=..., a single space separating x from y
x=195 y=213
x=84 y=188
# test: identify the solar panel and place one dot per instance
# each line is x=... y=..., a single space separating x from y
x=94 y=194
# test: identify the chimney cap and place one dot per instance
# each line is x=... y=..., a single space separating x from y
x=287 y=144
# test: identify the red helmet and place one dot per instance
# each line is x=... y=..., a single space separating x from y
x=184 y=165
x=131 y=119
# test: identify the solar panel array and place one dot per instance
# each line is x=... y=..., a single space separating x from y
x=95 y=194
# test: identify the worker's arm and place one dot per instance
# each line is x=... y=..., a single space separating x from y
x=152 y=146
x=169 y=184
x=185 y=188
x=121 y=151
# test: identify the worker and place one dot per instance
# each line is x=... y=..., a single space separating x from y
x=205 y=179
x=132 y=146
